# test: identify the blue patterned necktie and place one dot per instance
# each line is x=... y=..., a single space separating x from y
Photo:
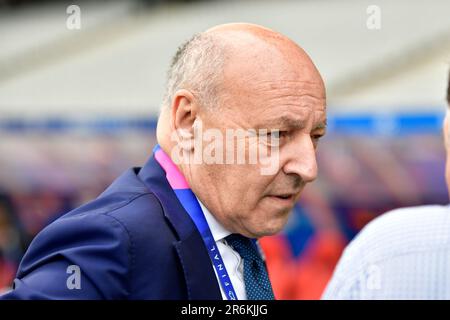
x=256 y=279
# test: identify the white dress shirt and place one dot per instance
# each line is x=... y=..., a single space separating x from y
x=232 y=260
x=404 y=254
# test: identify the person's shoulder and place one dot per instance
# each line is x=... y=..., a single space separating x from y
x=412 y=215
x=400 y=232
x=405 y=229
x=398 y=237
x=115 y=228
x=117 y=218
x=125 y=213
x=127 y=201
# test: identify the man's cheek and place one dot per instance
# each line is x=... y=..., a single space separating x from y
x=269 y=165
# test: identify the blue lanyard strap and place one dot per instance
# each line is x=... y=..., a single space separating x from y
x=190 y=203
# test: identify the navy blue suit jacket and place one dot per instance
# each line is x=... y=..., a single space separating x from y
x=135 y=241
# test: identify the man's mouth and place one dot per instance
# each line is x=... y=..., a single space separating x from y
x=287 y=198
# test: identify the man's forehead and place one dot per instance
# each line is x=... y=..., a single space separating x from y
x=288 y=108
x=289 y=92
x=294 y=85
x=282 y=91
x=301 y=120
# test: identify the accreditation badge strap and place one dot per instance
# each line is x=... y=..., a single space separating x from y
x=190 y=203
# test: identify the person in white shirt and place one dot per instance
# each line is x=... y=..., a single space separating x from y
x=404 y=254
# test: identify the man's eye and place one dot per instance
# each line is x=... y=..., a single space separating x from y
x=278 y=134
x=272 y=137
x=317 y=137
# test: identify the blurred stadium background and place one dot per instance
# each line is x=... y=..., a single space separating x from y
x=77 y=107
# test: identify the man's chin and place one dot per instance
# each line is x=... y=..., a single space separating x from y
x=267 y=230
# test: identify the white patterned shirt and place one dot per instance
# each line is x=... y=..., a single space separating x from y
x=404 y=254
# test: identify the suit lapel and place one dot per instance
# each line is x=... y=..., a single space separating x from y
x=198 y=279
x=201 y=281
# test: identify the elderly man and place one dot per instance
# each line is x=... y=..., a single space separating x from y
x=185 y=226
x=404 y=254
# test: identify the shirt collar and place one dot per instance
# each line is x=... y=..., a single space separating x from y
x=217 y=230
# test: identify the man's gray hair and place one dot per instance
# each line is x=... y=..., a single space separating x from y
x=197 y=66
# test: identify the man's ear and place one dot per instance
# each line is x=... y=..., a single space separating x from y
x=184 y=112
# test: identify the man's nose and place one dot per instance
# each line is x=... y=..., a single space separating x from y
x=301 y=159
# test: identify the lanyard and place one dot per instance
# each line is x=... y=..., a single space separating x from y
x=189 y=202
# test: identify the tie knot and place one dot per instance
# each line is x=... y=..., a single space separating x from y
x=244 y=246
